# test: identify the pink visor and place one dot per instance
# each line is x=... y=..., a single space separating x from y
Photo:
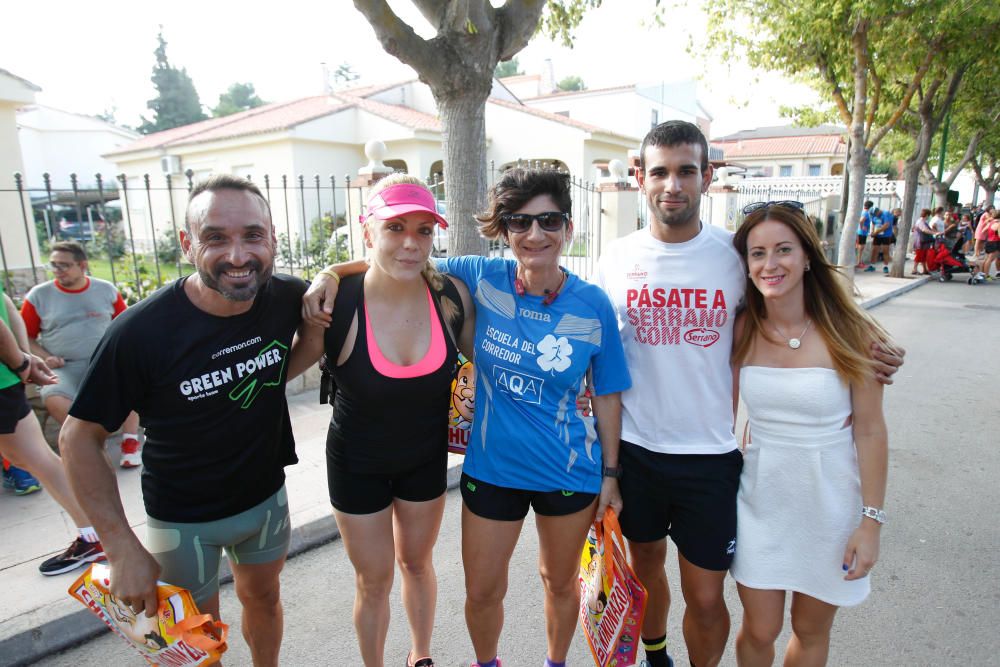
x=397 y=200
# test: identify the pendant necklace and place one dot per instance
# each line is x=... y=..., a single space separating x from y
x=796 y=342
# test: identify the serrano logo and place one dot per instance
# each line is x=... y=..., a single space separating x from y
x=636 y=274
x=702 y=337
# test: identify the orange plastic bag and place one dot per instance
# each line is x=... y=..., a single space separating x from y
x=178 y=636
x=463 y=406
x=612 y=599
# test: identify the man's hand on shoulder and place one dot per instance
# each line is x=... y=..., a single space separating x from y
x=888 y=359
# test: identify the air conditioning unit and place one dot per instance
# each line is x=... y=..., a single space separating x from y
x=170 y=164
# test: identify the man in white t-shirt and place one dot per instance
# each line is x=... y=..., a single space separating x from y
x=676 y=286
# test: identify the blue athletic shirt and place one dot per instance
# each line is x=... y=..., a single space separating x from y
x=531 y=364
x=887 y=221
x=864 y=225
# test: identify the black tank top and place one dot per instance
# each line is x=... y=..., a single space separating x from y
x=382 y=424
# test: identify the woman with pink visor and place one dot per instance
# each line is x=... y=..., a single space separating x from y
x=387 y=442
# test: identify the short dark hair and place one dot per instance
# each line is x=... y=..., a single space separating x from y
x=869 y=204
x=73 y=248
x=516 y=188
x=673 y=133
x=224 y=182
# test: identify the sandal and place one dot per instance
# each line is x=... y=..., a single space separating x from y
x=423 y=662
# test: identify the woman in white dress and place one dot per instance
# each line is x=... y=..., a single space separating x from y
x=814 y=474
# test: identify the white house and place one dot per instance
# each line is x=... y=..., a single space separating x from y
x=630 y=109
x=324 y=136
x=786 y=151
x=63 y=143
x=19 y=245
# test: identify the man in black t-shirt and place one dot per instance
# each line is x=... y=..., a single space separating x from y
x=204 y=362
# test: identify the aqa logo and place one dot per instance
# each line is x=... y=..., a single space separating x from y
x=702 y=337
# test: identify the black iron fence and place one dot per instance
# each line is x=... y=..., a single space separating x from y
x=129 y=226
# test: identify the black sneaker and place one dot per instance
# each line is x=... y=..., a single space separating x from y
x=79 y=553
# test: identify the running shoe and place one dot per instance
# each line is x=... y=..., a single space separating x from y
x=79 y=553
x=21 y=481
x=885 y=269
x=476 y=664
x=870 y=268
x=645 y=663
x=131 y=454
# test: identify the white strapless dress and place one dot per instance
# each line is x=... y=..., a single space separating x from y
x=800 y=491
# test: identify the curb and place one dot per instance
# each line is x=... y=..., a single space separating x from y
x=902 y=289
x=34 y=642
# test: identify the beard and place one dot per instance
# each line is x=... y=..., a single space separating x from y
x=676 y=217
x=259 y=275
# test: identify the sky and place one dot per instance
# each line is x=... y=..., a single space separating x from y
x=93 y=57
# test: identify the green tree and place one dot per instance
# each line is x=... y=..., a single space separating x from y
x=458 y=64
x=571 y=83
x=867 y=57
x=345 y=74
x=239 y=97
x=507 y=68
x=176 y=102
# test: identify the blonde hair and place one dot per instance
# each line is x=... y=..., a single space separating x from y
x=430 y=273
x=846 y=328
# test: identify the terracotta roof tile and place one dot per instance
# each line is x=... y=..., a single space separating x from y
x=809 y=145
x=406 y=116
x=564 y=93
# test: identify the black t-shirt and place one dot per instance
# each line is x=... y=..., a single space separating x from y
x=210 y=392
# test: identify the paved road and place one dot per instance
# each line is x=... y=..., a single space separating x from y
x=936 y=596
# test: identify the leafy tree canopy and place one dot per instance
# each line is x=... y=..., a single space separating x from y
x=176 y=102
x=507 y=68
x=571 y=83
x=239 y=97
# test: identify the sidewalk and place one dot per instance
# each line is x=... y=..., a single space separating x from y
x=38 y=616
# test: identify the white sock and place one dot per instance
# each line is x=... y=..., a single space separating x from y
x=88 y=534
x=127 y=436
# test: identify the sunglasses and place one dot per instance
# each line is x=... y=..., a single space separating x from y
x=787 y=203
x=518 y=223
x=61 y=266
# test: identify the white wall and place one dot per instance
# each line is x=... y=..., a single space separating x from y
x=63 y=143
x=19 y=248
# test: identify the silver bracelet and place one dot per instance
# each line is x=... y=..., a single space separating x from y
x=874 y=513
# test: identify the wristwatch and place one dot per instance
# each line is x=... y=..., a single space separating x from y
x=873 y=513
x=24 y=365
x=615 y=472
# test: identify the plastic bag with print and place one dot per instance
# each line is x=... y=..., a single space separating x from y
x=612 y=599
x=178 y=636
x=463 y=406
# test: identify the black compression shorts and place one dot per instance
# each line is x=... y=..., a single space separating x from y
x=504 y=504
x=691 y=497
x=13 y=407
x=366 y=493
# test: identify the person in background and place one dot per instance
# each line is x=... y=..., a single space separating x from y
x=923 y=242
x=865 y=223
x=66 y=319
x=23 y=444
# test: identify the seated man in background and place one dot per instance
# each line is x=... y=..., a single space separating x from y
x=66 y=319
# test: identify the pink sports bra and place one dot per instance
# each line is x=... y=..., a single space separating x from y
x=431 y=360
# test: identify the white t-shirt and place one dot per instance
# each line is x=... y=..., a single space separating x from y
x=676 y=303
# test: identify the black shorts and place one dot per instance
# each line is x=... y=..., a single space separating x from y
x=367 y=493
x=691 y=497
x=503 y=504
x=862 y=239
x=882 y=240
x=13 y=408
x=992 y=246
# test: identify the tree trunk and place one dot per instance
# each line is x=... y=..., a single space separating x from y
x=464 y=120
x=911 y=178
x=858 y=170
x=990 y=196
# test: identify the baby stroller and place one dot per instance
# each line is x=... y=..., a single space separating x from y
x=948 y=261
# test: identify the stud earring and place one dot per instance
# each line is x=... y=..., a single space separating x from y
x=807 y=267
